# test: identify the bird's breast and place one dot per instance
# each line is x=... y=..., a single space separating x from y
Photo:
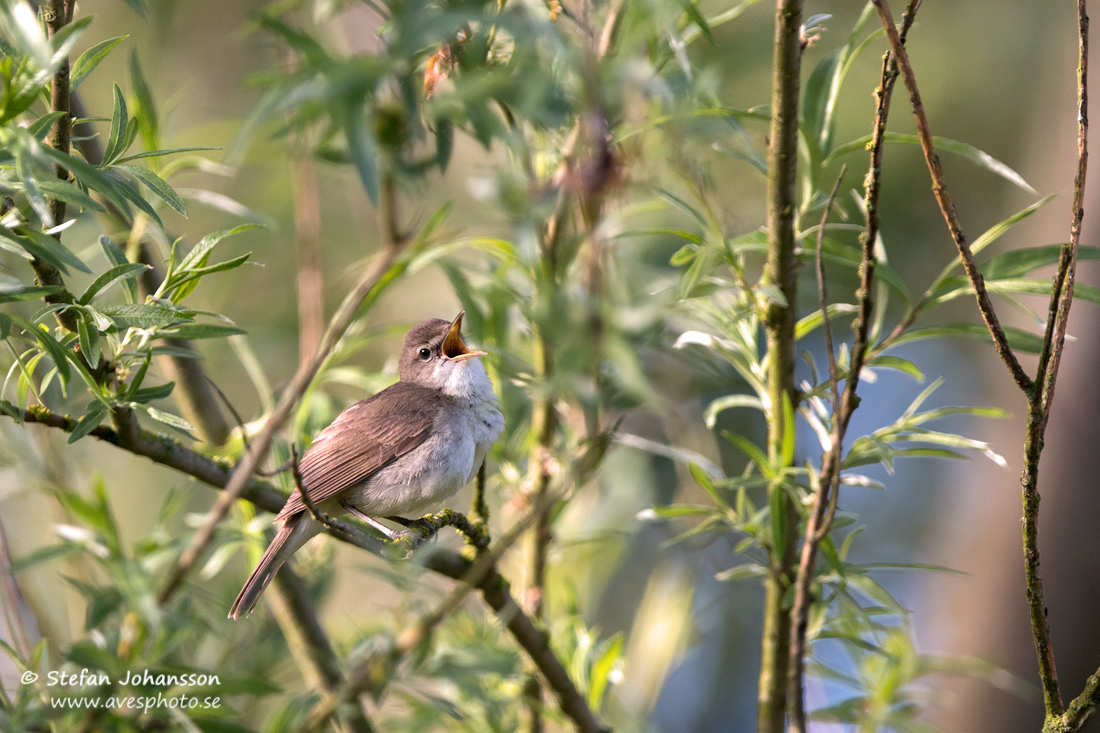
x=437 y=468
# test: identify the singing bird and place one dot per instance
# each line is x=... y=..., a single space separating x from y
x=409 y=447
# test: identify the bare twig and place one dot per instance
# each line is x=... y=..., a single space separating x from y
x=947 y=207
x=1039 y=403
x=828 y=481
x=371 y=278
x=779 y=320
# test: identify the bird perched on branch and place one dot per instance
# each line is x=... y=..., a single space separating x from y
x=411 y=446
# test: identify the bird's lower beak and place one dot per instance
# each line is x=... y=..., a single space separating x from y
x=453 y=347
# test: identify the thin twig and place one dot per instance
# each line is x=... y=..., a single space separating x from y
x=1039 y=404
x=373 y=275
x=947 y=207
x=828 y=481
x=1062 y=295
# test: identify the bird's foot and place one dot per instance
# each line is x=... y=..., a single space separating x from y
x=386 y=531
x=428 y=526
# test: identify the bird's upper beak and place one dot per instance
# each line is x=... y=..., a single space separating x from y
x=453 y=347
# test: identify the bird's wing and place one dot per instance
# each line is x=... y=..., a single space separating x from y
x=364 y=438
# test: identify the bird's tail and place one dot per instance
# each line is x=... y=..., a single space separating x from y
x=295 y=532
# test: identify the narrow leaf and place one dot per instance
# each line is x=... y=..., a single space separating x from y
x=110 y=277
x=90 y=59
x=158 y=186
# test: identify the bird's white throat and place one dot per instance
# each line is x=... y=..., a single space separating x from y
x=465 y=380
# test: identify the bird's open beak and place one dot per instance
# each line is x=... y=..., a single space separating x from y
x=453 y=348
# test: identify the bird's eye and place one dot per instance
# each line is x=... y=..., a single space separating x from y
x=425 y=353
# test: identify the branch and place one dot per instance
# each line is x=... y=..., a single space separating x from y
x=371 y=278
x=1039 y=404
x=828 y=480
x=779 y=320
x=166 y=451
x=1061 y=298
x=947 y=208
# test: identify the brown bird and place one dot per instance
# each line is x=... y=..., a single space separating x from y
x=412 y=445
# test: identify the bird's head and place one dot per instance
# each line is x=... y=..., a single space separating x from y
x=436 y=357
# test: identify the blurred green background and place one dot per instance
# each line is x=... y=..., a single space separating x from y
x=999 y=75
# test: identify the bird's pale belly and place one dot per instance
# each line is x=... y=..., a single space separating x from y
x=425 y=477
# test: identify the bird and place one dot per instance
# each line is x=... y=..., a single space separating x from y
x=410 y=446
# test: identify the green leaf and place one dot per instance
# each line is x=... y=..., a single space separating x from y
x=116 y=256
x=42 y=555
x=166 y=418
x=148 y=394
x=67 y=192
x=10 y=294
x=110 y=277
x=95 y=414
x=902 y=365
x=200 y=253
x=22 y=28
x=1019 y=262
x=1091 y=293
x=158 y=186
x=120 y=121
x=706 y=483
x=813 y=321
x=751 y=450
x=697 y=20
x=144 y=109
x=127 y=190
x=777 y=509
x=90 y=59
x=817 y=92
x=45 y=247
x=142 y=315
x=41 y=127
x=741 y=572
x=200 y=331
x=138 y=6
x=942 y=144
x=363 y=148
x=57 y=352
x=710 y=415
x=89 y=340
x=987 y=238
x=167 y=151
x=90 y=176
